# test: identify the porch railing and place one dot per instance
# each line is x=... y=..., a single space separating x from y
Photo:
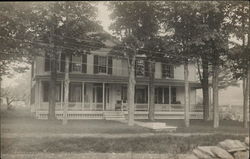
x=166 y=107
x=74 y=106
x=77 y=106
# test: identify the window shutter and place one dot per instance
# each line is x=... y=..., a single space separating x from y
x=32 y=69
x=70 y=63
x=135 y=69
x=95 y=64
x=146 y=68
x=47 y=62
x=84 y=63
x=63 y=62
x=45 y=91
x=110 y=65
x=172 y=71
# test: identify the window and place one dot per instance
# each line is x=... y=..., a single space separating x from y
x=97 y=93
x=140 y=68
x=60 y=62
x=162 y=95
x=102 y=64
x=167 y=71
x=124 y=94
x=141 y=95
x=166 y=95
x=46 y=91
x=75 y=92
x=76 y=64
x=173 y=95
x=47 y=63
x=158 y=96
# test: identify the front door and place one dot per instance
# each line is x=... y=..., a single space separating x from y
x=98 y=96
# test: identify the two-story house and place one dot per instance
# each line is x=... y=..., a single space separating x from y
x=98 y=86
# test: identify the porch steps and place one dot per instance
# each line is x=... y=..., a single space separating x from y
x=113 y=115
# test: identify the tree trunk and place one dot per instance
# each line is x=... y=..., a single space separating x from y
x=205 y=88
x=52 y=88
x=215 y=95
x=246 y=98
x=131 y=92
x=245 y=79
x=151 y=97
x=187 y=103
x=0 y=91
x=248 y=77
x=66 y=90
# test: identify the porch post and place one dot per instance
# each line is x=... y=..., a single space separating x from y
x=83 y=100
x=163 y=95
x=148 y=97
x=169 y=94
x=103 y=96
x=61 y=94
x=210 y=103
x=39 y=94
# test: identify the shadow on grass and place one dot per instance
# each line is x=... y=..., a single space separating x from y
x=153 y=144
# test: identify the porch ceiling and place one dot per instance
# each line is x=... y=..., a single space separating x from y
x=118 y=79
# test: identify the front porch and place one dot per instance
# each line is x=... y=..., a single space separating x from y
x=91 y=100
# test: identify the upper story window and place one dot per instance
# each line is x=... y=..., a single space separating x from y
x=77 y=63
x=47 y=62
x=167 y=71
x=102 y=64
x=60 y=62
x=141 y=68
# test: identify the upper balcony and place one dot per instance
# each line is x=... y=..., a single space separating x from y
x=96 y=64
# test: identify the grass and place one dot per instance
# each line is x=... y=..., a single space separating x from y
x=200 y=126
x=153 y=144
x=22 y=122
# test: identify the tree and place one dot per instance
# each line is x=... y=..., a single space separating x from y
x=180 y=17
x=53 y=27
x=17 y=90
x=239 y=53
x=66 y=27
x=138 y=22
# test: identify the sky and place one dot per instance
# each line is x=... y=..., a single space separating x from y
x=103 y=15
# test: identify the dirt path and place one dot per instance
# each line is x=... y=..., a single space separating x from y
x=103 y=135
x=88 y=156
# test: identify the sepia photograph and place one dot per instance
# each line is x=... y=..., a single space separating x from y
x=124 y=79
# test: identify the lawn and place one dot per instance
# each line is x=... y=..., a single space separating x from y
x=20 y=122
x=152 y=144
x=200 y=126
